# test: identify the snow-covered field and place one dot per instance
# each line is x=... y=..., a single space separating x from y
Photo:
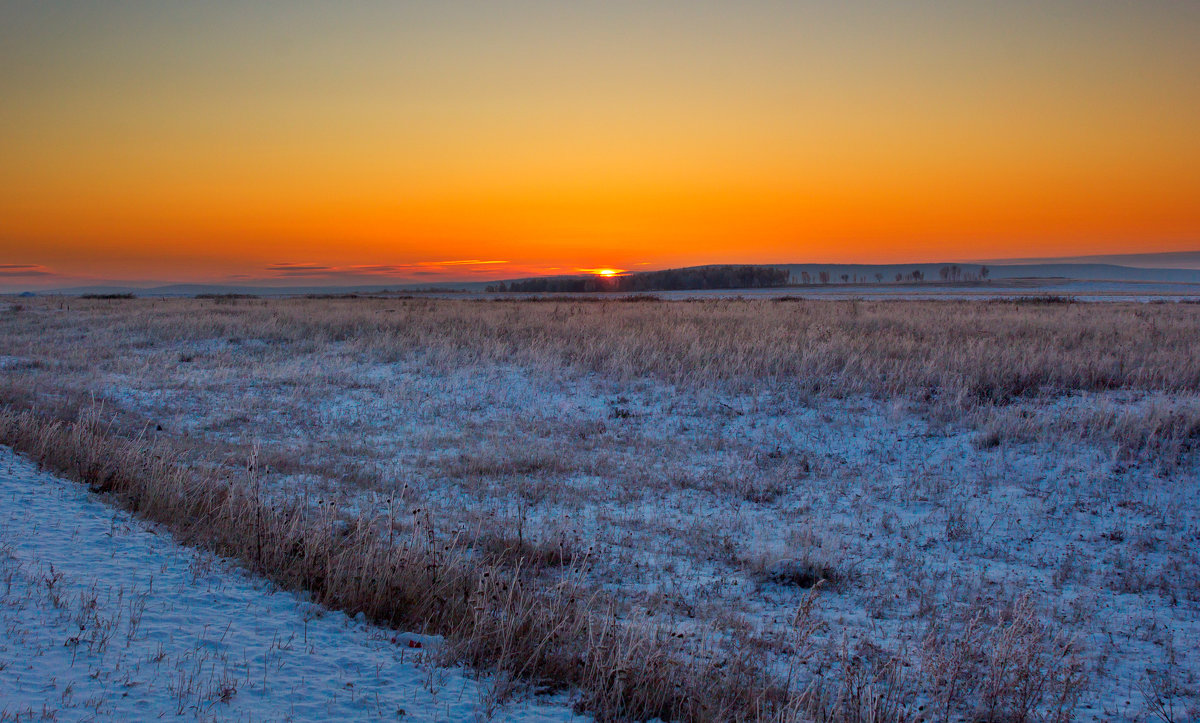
x=687 y=501
x=102 y=618
x=701 y=506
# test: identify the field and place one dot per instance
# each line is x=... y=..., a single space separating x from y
x=101 y=619
x=769 y=509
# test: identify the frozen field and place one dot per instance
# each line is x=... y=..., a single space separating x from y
x=103 y=619
x=1062 y=524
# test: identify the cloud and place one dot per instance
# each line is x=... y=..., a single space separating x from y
x=289 y=269
x=417 y=268
x=23 y=270
x=466 y=262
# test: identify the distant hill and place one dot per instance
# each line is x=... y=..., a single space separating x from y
x=1163 y=260
x=931 y=272
x=691 y=279
x=1173 y=267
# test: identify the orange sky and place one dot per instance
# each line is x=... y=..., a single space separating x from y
x=205 y=141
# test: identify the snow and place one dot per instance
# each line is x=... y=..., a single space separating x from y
x=101 y=617
x=686 y=497
x=679 y=496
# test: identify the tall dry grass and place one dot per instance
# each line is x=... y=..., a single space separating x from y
x=397 y=571
x=401 y=574
x=958 y=353
x=552 y=630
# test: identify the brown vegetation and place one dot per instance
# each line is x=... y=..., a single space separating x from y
x=958 y=352
x=491 y=616
x=524 y=601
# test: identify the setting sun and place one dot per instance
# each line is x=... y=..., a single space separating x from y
x=607 y=273
x=214 y=142
x=890 y=379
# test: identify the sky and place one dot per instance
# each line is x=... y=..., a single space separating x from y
x=309 y=141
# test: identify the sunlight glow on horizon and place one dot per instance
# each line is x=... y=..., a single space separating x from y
x=189 y=142
x=605 y=272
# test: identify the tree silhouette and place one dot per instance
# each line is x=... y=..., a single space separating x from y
x=704 y=277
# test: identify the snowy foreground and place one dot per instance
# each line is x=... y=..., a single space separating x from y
x=101 y=618
x=943 y=467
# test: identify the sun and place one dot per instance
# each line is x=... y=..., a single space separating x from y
x=606 y=273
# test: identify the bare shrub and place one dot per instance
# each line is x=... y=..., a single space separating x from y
x=1014 y=667
x=866 y=685
x=1165 y=688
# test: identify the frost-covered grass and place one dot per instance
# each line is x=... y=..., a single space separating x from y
x=399 y=571
x=102 y=619
x=962 y=479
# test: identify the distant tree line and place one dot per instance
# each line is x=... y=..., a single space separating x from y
x=717 y=277
x=947 y=273
x=704 y=277
x=955 y=273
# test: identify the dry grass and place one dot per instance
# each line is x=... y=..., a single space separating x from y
x=491 y=616
x=954 y=352
x=517 y=596
x=400 y=573
x=1013 y=668
x=1164 y=430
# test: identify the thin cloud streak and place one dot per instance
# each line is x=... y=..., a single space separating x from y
x=307 y=270
x=18 y=277
x=445 y=270
x=20 y=270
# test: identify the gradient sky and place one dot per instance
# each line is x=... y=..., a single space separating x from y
x=303 y=140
